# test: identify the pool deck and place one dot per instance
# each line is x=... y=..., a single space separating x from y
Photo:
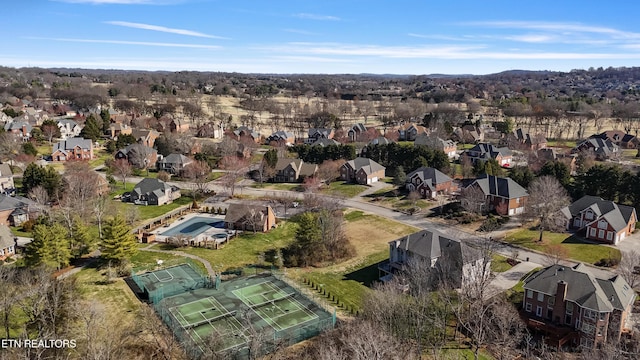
x=210 y=233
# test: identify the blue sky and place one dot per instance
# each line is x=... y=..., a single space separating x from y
x=321 y=36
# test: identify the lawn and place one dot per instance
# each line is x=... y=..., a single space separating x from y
x=371 y=233
x=215 y=175
x=152 y=211
x=573 y=247
x=499 y=263
x=279 y=186
x=245 y=249
x=561 y=143
x=100 y=157
x=343 y=189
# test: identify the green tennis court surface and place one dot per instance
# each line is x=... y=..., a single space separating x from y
x=224 y=319
x=170 y=281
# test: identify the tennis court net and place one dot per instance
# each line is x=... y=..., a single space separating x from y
x=270 y=301
x=209 y=320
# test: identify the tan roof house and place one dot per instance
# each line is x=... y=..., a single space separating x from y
x=250 y=217
x=293 y=170
x=362 y=171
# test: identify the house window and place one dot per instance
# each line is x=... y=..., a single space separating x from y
x=569 y=308
x=517 y=200
x=588 y=328
x=601 y=234
x=599 y=331
x=539 y=311
x=592 y=232
x=602 y=316
x=528 y=307
x=540 y=296
x=609 y=235
x=529 y=294
x=590 y=314
x=602 y=224
x=588 y=215
x=549 y=313
x=551 y=300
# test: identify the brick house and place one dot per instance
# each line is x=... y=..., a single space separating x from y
x=75 y=148
x=7 y=242
x=19 y=128
x=603 y=149
x=293 y=170
x=356 y=131
x=429 y=182
x=620 y=138
x=521 y=139
x=409 y=132
x=145 y=136
x=602 y=220
x=503 y=195
x=362 y=171
x=281 y=138
x=151 y=191
x=117 y=129
x=572 y=306
x=14 y=210
x=244 y=132
x=316 y=134
x=173 y=163
x=434 y=142
x=138 y=155
x=250 y=217
x=484 y=151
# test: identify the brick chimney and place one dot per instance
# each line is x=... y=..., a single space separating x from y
x=558 y=307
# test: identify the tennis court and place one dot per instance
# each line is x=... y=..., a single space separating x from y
x=169 y=281
x=225 y=318
x=275 y=306
x=205 y=318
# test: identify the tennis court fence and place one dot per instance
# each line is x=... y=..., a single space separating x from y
x=196 y=278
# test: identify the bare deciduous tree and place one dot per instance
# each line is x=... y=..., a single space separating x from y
x=122 y=168
x=546 y=198
x=198 y=173
x=629 y=268
x=236 y=169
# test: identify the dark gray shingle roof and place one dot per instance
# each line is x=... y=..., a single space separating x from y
x=498 y=186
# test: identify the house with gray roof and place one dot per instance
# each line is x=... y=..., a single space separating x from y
x=151 y=191
x=356 y=131
x=281 y=138
x=324 y=142
x=315 y=134
x=600 y=219
x=7 y=242
x=244 y=132
x=572 y=306
x=14 y=210
x=452 y=260
x=362 y=171
x=138 y=155
x=482 y=152
x=19 y=128
x=75 y=148
x=68 y=128
x=380 y=140
x=173 y=163
x=602 y=149
x=293 y=170
x=501 y=194
x=434 y=142
x=6 y=179
x=429 y=182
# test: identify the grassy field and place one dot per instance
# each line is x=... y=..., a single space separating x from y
x=562 y=143
x=343 y=189
x=499 y=263
x=573 y=247
x=150 y=212
x=279 y=186
x=245 y=249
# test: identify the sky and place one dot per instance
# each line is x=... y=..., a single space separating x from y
x=322 y=36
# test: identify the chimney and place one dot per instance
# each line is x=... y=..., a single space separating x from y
x=559 y=305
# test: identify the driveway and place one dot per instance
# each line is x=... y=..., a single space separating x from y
x=508 y=279
x=629 y=244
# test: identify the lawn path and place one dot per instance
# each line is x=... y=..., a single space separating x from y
x=206 y=263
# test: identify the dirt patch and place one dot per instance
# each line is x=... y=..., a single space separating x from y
x=370 y=233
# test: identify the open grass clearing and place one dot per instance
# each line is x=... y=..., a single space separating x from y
x=245 y=249
x=499 y=263
x=343 y=189
x=152 y=211
x=569 y=245
x=279 y=186
x=371 y=233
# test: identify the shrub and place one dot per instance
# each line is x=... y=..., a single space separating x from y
x=608 y=262
x=28 y=225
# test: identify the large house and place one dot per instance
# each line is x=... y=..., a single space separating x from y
x=409 y=132
x=620 y=138
x=6 y=179
x=145 y=136
x=522 y=139
x=571 y=305
x=356 y=131
x=316 y=134
x=324 y=142
x=15 y=210
x=244 y=132
x=250 y=217
x=380 y=140
x=293 y=170
x=503 y=195
x=362 y=171
x=75 y=148
x=7 y=242
x=453 y=261
x=138 y=155
x=468 y=134
x=434 y=142
x=603 y=149
x=19 y=128
x=117 y=129
x=211 y=130
x=429 y=182
x=173 y=163
x=68 y=128
x=151 y=191
x=602 y=220
x=281 y=138
x=484 y=151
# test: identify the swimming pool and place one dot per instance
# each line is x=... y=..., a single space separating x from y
x=194 y=226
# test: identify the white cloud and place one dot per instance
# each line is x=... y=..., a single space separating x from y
x=438 y=37
x=316 y=17
x=125 y=42
x=531 y=38
x=297 y=31
x=557 y=27
x=162 y=29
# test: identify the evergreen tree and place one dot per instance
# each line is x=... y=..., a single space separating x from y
x=557 y=169
x=271 y=157
x=106 y=120
x=522 y=175
x=50 y=246
x=91 y=129
x=51 y=181
x=401 y=177
x=32 y=177
x=29 y=149
x=81 y=241
x=118 y=243
x=308 y=239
